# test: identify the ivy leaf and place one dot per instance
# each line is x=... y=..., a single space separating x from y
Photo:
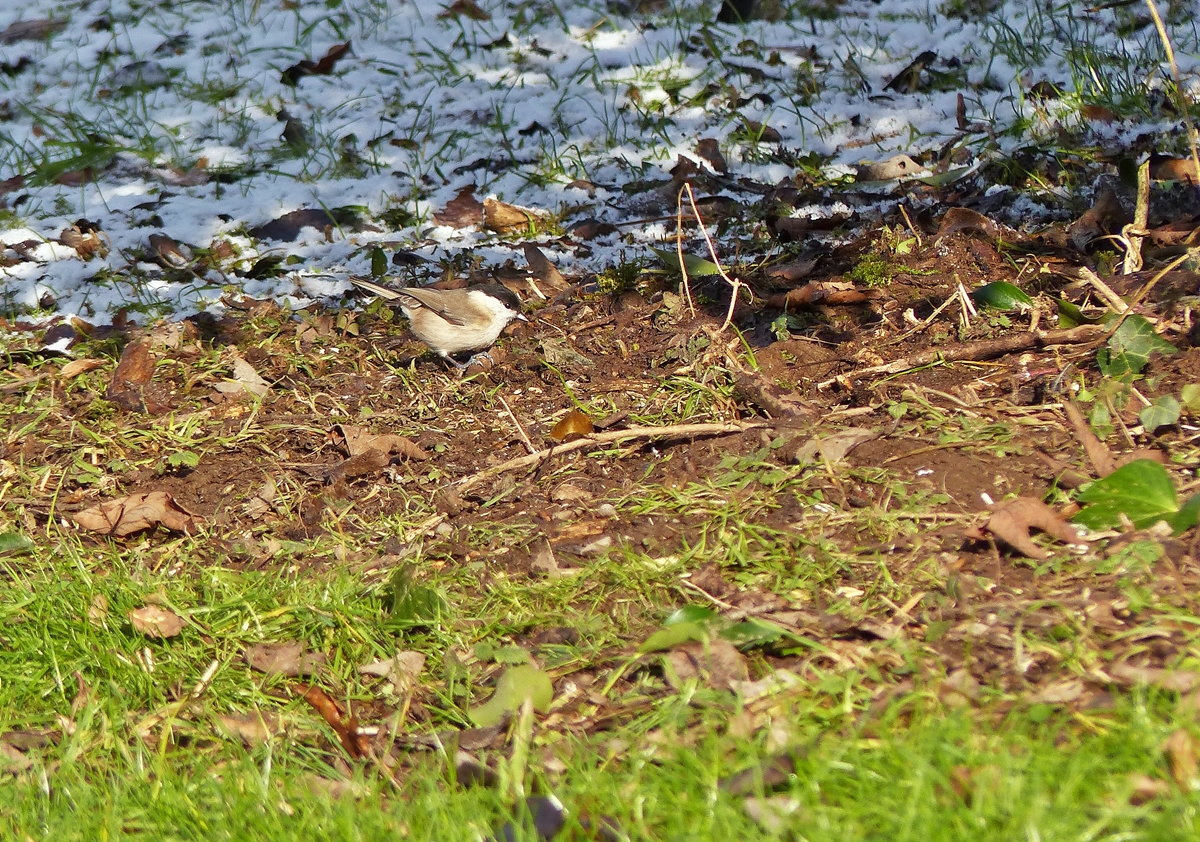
x=1141 y=491
x=1129 y=349
x=1163 y=412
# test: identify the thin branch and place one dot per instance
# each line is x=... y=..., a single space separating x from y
x=597 y=439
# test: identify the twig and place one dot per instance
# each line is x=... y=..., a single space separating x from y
x=1103 y=290
x=984 y=349
x=520 y=430
x=672 y=431
x=686 y=284
x=1181 y=97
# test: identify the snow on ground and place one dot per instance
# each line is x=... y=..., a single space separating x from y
x=429 y=99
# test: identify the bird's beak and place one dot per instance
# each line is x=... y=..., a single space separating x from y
x=521 y=316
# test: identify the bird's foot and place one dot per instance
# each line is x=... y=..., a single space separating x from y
x=476 y=359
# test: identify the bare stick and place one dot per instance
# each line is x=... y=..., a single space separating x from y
x=985 y=349
x=687 y=286
x=1103 y=290
x=520 y=430
x=596 y=439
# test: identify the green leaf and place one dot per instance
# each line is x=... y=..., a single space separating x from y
x=691 y=614
x=14 y=542
x=752 y=633
x=514 y=687
x=696 y=266
x=672 y=636
x=1001 y=295
x=1164 y=411
x=1141 y=491
x=1190 y=395
x=1129 y=349
x=1070 y=315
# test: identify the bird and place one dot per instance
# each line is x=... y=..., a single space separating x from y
x=453 y=321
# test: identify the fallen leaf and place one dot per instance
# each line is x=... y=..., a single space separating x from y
x=574 y=425
x=132 y=377
x=287 y=228
x=463 y=211
x=1180 y=749
x=77 y=367
x=504 y=218
x=772 y=812
x=31 y=30
x=346 y=727
x=710 y=150
x=544 y=271
x=1058 y=693
x=402 y=669
x=464 y=8
x=1012 y=520
x=156 y=622
x=359 y=440
x=253 y=728
x=135 y=513
x=288 y=658
x=321 y=67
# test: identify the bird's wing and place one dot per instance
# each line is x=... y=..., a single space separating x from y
x=386 y=293
x=432 y=299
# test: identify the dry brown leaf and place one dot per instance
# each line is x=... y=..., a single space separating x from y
x=346 y=727
x=135 y=513
x=1012 y=520
x=321 y=67
x=710 y=150
x=359 y=440
x=97 y=612
x=77 y=367
x=463 y=211
x=30 y=30
x=1097 y=451
x=252 y=728
x=574 y=425
x=1058 y=693
x=504 y=218
x=287 y=658
x=1180 y=749
x=543 y=269
x=155 y=621
x=402 y=669
x=464 y=8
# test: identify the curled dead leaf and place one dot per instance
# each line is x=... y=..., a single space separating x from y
x=287 y=658
x=574 y=425
x=77 y=367
x=504 y=218
x=154 y=621
x=463 y=211
x=135 y=513
x=1012 y=520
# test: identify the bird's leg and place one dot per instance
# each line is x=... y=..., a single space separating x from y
x=462 y=367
